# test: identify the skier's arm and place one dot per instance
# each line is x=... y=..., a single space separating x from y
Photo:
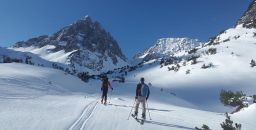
x=148 y=94
x=137 y=91
x=109 y=85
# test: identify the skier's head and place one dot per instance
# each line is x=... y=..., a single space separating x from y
x=106 y=78
x=142 y=80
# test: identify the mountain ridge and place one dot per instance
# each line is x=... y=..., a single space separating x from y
x=166 y=47
x=88 y=45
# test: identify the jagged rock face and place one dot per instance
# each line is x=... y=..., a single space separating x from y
x=166 y=47
x=249 y=18
x=37 y=41
x=87 y=38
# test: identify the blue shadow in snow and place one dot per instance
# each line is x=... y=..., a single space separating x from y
x=168 y=125
x=151 y=109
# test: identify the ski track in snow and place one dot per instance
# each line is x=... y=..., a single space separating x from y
x=85 y=116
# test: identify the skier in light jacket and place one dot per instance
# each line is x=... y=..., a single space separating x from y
x=142 y=94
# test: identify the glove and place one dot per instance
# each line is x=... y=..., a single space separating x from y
x=101 y=89
x=147 y=98
x=112 y=89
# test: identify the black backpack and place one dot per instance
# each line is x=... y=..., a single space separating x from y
x=105 y=84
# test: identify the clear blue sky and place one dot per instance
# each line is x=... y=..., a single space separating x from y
x=135 y=24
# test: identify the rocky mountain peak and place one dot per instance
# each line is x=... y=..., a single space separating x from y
x=166 y=47
x=88 y=43
x=249 y=18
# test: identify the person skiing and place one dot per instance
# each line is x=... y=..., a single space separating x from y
x=142 y=94
x=104 y=88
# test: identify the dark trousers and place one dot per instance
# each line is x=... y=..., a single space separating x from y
x=104 y=95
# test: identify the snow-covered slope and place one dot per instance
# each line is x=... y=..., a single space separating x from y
x=84 y=45
x=9 y=55
x=42 y=98
x=46 y=53
x=246 y=116
x=21 y=79
x=166 y=47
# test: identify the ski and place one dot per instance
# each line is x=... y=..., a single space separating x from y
x=104 y=103
x=141 y=121
x=135 y=117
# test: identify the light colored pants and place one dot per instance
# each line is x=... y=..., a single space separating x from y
x=141 y=100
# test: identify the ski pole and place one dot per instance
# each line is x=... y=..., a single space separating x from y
x=131 y=110
x=110 y=96
x=148 y=111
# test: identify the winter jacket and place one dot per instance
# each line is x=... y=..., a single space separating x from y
x=142 y=90
x=106 y=85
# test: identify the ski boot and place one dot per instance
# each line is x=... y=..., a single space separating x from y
x=143 y=116
x=135 y=115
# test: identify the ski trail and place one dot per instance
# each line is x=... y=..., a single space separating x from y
x=85 y=116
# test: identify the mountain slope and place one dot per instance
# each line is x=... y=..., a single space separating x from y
x=83 y=44
x=245 y=116
x=21 y=79
x=8 y=56
x=249 y=19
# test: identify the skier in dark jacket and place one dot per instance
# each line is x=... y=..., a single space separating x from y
x=104 y=88
x=142 y=94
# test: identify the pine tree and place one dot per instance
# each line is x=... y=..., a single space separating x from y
x=188 y=71
x=204 y=127
x=230 y=98
x=194 y=61
x=253 y=63
x=228 y=124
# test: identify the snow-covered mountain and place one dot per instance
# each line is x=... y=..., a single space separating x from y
x=166 y=47
x=82 y=45
x=181 y=98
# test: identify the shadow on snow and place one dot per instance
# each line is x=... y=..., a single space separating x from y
x=168 y=125
x=152 y=109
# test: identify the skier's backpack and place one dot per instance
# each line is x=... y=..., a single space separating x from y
x=138 y=91
x=105 y=84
